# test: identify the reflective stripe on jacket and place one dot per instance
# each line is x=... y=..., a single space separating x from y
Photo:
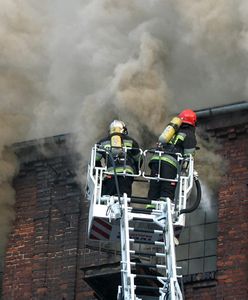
x=129 y=165
x=167 y=158
x=183 y=142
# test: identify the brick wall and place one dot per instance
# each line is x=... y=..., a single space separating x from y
x=231 y=278
x=19 y=255
x=48 y=244
x=232 y=249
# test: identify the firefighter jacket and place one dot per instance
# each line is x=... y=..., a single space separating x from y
x=117 y=158
x=183 y=142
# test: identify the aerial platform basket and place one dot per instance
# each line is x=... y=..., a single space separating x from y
x=103 y=224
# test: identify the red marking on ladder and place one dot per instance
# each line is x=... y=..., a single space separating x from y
x=100 y=230
x=103 y=223
x=93 y=237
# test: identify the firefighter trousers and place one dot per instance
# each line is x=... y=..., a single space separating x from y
x=125 y=185
x=158 y=189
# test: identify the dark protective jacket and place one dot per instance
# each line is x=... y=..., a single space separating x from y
x=128 y=162
x=183 y=142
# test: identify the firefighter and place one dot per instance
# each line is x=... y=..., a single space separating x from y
x=183 y=141
x=116 y=158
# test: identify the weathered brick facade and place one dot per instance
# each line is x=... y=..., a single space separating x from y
x=48 y=244
x=232 y=248
x=231 y=279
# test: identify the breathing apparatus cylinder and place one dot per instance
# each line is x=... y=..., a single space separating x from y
x=116 y=141
x=170 y=130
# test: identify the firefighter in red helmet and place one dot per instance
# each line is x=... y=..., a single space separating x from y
x=183 y=141
x=188 y=116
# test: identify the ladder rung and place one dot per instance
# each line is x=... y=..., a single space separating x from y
x=144 y=214
x=150 y=277
x=146 y=230
x=140 y=200
x=140 y=219
x=147 y=265
x=140 y=211
x=147 y=254
x=137 y=241
x=143 y=287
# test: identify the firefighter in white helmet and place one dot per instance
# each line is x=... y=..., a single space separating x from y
x=116 y=158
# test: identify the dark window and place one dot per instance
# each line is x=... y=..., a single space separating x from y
x=196 y=252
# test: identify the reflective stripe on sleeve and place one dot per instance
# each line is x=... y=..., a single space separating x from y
x=128 y=144
x=180 y=136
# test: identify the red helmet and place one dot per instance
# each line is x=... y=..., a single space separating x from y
x=188 y=116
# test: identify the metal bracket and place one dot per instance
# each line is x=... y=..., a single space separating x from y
x=113 y=209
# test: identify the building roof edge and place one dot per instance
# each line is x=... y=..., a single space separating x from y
x=224 y=109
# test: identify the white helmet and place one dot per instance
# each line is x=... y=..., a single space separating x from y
x=118 y=126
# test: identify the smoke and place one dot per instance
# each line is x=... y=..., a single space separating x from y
x=208 y=196
x=8 y=168
x=73 y=66
x=7 y=195
x=209 y=163
x=142 y=82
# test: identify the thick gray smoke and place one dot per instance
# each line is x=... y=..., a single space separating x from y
x=73 y=66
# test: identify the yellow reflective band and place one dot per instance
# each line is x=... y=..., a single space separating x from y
x=121 y=170
x=171 y=160
x=180 y=137
x=127 y=144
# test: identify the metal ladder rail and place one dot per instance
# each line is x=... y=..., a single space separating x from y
x=127 y=291
x=164 y=219
x=129 y=288
x=174 y=290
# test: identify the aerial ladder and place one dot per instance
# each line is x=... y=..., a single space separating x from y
x=144 y=233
